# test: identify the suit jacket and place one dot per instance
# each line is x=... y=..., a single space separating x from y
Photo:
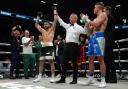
x=109 y=32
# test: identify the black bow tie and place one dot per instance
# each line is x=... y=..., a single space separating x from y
x=71 y=24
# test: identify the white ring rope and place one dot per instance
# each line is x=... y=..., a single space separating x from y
x=5 y=44
x=115 y=50
x=121 y=49
x=121 y=40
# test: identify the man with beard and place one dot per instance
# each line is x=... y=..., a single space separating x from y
x=47 y=47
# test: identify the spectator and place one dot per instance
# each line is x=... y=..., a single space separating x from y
x=28 y=56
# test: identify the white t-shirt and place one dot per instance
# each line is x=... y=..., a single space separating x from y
x=26 y=49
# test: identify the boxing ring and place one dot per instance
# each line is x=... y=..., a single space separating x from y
x=6 y=83
x=121 y=72
x=119 y=60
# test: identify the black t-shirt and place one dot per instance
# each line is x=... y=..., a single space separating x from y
x=15 y=45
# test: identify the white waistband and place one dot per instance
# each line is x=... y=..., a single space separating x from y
x=46 y=44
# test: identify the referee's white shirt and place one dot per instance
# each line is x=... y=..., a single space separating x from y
x=72 y=31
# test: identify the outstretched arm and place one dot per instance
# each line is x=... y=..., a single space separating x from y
x=62 y=23
x=54 y=23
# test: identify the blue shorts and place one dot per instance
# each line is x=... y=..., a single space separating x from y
x=96 y=44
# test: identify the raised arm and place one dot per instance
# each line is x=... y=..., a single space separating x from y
x=62 y=23
x=54 y=23
x=39 y=28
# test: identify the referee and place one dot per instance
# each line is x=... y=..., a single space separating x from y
x=73 y=31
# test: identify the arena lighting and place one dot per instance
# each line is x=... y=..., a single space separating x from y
x=125 y=20
x=125 y=27
x=54 y=4
x=122 y=27
x=117 y=6
x=5 y=13
x=116 y=27
x=22 y=16
x=43 y=1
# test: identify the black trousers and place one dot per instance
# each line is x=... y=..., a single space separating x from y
x=70 y=53
x=15 y=63
x=110 y=65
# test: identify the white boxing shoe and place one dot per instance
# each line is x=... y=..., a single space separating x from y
x=38 y=79
x=58 y=76
x=89 y=82
x=45 y=76
x=52 y=80
x=102 y=84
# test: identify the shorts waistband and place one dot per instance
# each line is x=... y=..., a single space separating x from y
x=44 y=44
x=98 y=34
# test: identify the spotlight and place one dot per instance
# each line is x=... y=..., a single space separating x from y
x=43 y=1
x=54 y=4
x=125 y=20
x=117 y=6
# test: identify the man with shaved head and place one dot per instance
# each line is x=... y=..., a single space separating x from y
x=28 y=56
x=73 y=31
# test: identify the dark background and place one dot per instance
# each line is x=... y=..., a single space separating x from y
x=65 y=8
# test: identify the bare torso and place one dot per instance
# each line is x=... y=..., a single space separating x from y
x=102 y=26
x=47 y=36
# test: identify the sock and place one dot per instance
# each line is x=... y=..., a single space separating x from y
x=53 y=75
x=102 y=78
x=91 y=76
x=40 y=74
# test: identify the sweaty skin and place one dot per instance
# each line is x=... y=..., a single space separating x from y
x=99 y=24
x=48 y=31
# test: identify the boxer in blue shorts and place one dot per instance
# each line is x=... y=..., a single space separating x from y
x=96 y=44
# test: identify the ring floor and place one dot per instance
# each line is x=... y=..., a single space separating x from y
x=44 y=84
